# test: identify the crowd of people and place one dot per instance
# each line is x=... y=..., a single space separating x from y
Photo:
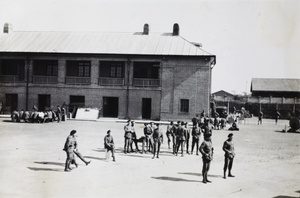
x=36 y=116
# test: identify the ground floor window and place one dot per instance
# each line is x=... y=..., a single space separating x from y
x=75 y=102
x=184 y=105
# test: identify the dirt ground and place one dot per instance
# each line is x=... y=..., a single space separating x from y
x=32 y=163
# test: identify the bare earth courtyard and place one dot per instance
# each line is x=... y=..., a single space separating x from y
x=32 y=163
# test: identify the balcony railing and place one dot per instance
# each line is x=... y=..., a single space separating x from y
x=78 y=80
x=44 y=79
x=10 y=79
x=111 y=81
x=146 y=82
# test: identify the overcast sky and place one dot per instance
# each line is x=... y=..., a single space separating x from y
x=251 y=39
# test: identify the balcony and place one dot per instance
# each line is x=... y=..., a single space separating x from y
x=111 y=81
x=78 y=80
x=44 y=79
x=10 y=79
x=146 y=82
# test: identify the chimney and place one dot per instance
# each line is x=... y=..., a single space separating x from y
x=146 y=29
x=175 y=29
x=7 y=28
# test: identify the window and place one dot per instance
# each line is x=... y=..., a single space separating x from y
x=111 y=69
x=79 y=68
x=184 y=105
x=13 y=67
x=45 y=67
x=146 y=70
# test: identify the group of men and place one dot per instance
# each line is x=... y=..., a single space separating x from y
x=178 y=133
x=36 y=116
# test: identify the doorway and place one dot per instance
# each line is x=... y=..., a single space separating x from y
x=11 y=103
x=110 y=107
x=44 y=102
x=146 y=108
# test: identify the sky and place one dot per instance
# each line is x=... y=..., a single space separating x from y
x=250 y=38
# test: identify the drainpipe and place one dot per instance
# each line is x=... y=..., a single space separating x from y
x=127 y=88
x=27 y=82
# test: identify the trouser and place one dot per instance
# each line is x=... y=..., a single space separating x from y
x=127 y=144
x=195 y=141
x=156 y=148
x=112 y=152
x=135 y=141
x=180 y=144
x=228 y=162
x=187 y=143
x=149 y=143
x=205 y=168
x=70 y=158
x=174 y=144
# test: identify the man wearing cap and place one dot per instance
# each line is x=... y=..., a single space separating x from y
x=109 y=144
x=69 y=147
x=181 y=133
x=169 y=133
x=206 y=150
x=187 y=132
x=127 y=136
x=228 y=148
x=157 y=140
x=196 y=134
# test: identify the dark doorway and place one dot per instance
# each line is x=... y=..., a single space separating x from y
x=146 y=108
x=75 y=102
x=44 y=102
x=11 y=103
x=110 y=107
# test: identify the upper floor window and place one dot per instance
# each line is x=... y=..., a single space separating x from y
x=146 y=70
x=184 y=105
x=45 y=67
x=79 y=68
x=12 y=67
x=112 y=69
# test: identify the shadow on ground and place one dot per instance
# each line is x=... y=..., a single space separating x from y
x=176 y=179
x=45 y=169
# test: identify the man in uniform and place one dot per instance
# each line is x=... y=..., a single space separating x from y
x=181 y=133
x=69 y=149
x=127 y=136
x=157 y=140
x=109 y=144
x=169 y=133
x=76 y=151
x=206 y=150
x=228 y=148
x=148 y=132
x=187 y=132
x=196 y=134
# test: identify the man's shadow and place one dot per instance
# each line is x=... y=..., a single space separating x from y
x=48 y=169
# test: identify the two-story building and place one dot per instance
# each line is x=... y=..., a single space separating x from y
x=139 y=75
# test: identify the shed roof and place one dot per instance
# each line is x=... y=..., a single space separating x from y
x=98 y=43
x=275 y=85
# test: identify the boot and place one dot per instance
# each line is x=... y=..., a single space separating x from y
x=114 y=159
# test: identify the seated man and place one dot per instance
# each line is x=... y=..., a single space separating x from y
x=234 y=127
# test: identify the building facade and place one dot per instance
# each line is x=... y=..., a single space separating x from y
x=125 y=75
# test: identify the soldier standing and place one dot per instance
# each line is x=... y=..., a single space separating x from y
x=109 y=144
x=127 y=137
x=157 y=141
x=206 y=150
x=196 y=134
x=181 y=137
x=188 y=134
x=169 y=133
x=228 y=148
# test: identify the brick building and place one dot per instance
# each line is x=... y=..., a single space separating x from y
x=139 y=75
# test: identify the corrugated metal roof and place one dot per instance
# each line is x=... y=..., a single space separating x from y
x=275 y=84
x=98 y=43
